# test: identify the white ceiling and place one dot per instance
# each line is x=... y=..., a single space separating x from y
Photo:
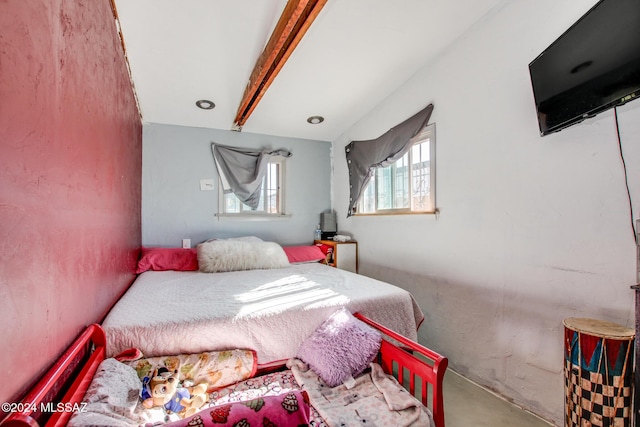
x=356 y=53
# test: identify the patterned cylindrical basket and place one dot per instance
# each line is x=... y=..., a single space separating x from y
x=598 y=373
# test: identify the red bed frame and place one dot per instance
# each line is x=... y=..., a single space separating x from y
x=419 y=369
x=66 y=382
x=53 y=399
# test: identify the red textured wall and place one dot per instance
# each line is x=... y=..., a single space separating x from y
x=70 y=179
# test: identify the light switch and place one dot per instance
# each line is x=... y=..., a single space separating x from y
x=206 y=184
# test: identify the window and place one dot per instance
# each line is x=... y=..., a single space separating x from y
x=271 y=198
x=406 y=186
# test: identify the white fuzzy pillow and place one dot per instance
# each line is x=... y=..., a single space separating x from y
x=234 y=255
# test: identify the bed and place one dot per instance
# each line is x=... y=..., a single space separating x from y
x=270 y=307
x=59 y=394
x=268 y=310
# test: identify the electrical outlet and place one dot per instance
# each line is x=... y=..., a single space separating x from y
x=186 y=243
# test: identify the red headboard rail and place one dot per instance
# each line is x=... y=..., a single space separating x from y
x=53 y=400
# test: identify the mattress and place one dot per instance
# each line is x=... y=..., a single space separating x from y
x=268 y=311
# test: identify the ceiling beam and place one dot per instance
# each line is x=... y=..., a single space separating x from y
x=297 y=17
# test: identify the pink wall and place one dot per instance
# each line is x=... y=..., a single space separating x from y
x=70 y=171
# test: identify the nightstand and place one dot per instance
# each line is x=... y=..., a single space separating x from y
x=345 y=254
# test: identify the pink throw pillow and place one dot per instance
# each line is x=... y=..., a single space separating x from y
x=297 y=254
x=161 y=259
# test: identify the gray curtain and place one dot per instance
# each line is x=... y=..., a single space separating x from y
x=363 y=157
x=241 y=170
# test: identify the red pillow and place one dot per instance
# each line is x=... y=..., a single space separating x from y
x=161 y=259
x=303 y=253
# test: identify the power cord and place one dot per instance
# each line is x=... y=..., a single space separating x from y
x=626 y=176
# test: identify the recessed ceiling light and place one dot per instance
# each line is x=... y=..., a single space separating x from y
x=315 y=120
x=205 y=104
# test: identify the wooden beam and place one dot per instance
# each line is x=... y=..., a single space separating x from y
x=297 y=17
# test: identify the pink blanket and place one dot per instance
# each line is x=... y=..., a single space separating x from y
x=287 y=409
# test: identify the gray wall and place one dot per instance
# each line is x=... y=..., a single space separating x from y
x=176 y=158
x=531 y=230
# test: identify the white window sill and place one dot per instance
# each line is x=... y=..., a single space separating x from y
x=397 y=212
x=251 y=217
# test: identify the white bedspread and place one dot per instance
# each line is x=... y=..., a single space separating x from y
x=269 y=311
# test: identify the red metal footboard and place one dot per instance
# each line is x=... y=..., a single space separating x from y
x=57 y=395
x=420 y=370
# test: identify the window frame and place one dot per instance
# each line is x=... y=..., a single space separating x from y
x=245 y=211
x=428 y=132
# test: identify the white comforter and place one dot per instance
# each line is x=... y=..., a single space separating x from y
x=269 y=311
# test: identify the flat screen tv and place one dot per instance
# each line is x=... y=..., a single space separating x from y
x=593 y=66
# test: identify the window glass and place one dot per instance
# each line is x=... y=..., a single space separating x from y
x=271 y=195
x=407 y=185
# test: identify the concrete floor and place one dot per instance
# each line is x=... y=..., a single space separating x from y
x=466 y=404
